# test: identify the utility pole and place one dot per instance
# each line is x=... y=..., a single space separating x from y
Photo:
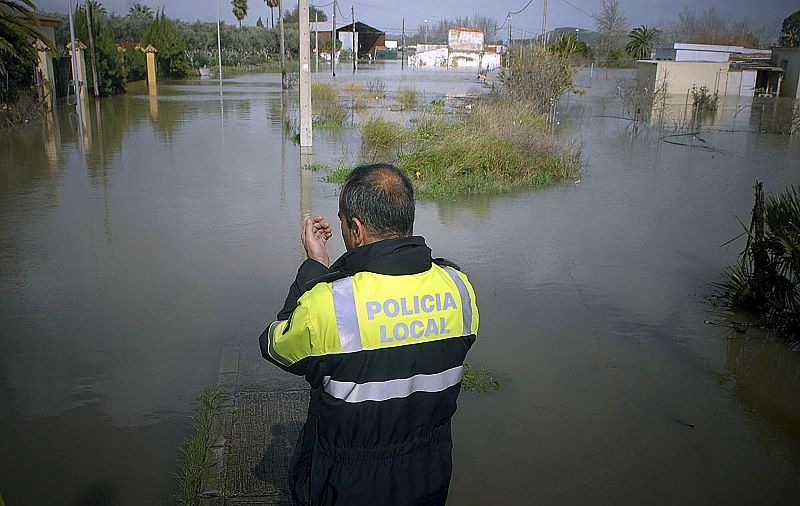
x=355 y=48
x=544 y=24
x=316 y=38
x=284 y=84
x=334 y=40
x=403 y=46
x=91 y=46
x=509 y=30
x=305 y=76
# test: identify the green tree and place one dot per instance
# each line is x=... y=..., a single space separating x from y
x=294 y=15
x=260 y=23
x=168 y=41
x=239 y=10
x=641 y=40
x=790 y=31
x=110 y=66
x=141 y=10
x=18 y=33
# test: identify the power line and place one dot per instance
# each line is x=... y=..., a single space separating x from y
x=526 y=6
x=580 y=10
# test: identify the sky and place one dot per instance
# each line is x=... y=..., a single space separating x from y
x=387 y=16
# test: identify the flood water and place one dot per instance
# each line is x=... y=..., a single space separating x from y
x=131 y=256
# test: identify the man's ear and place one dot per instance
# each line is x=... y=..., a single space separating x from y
x=357 y=232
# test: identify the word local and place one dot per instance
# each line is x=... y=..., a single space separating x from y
x=411 y=306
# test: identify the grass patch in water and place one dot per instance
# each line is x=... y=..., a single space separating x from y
x=327 y=110
x=407 y=97
x=501 y=146
x=194 y=468
x=337 y=174
x=379 y=132
x=479 y=380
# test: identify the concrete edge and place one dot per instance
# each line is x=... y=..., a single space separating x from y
x=211 y=493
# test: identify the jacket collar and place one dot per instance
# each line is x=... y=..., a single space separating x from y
x=399 y=256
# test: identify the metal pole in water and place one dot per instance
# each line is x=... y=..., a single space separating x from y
x=316 y=39
x=355 y=48
x=219 y=47
x=76 y=86
x=334 y=40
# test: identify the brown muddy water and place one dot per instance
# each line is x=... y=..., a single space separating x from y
x=130 y=257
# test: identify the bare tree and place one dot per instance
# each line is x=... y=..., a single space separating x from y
x=612 y=25
x=708 y=27
x=437 y=32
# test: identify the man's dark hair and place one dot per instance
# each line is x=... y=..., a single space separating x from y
x=382 y=197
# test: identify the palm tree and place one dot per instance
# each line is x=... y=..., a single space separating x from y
x=239 y=10
x=141 y=10
x=641 y=41
x=272 y=4
x=567 y=44
x=18 y=32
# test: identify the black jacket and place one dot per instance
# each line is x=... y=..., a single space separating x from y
x=393 y=452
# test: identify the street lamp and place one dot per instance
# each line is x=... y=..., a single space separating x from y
x=426 y=31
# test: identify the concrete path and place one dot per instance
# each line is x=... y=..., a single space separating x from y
x=263 y=412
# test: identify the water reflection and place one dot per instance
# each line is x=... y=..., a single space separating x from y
x=765 y=377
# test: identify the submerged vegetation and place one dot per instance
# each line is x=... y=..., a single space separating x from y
x=407 y=98
x=327 y=109
x=194 y=467
x=501 y=143
x=498 y=147
x=766 y=281
x=479 y=380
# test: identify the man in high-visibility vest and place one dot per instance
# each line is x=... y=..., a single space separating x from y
x=381 y=336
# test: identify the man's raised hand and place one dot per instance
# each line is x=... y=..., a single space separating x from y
x=315 y=235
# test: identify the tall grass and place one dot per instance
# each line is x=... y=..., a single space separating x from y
x=502 y=146
x=194 y=469
x=378 y=132
x=327 y=110
x=407 y=97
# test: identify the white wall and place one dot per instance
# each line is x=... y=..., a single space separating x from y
x=465 y=40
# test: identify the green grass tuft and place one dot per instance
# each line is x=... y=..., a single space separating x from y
x=407 y=97
x=337 y=175
x=328 y=111
x=382 y=133
x=194 y=469
x=479 y=381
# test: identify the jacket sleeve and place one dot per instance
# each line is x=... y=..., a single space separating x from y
x=309 y=269
x=287 y=343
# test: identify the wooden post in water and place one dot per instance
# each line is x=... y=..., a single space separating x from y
x=760 y=257
x=403 y=46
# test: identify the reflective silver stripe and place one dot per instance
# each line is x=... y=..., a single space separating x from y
x=271 y=338
x=466 y=301
x=344 y=304
x=349 y=391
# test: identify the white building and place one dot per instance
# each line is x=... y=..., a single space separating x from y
x=726 y=70
x=465 y=48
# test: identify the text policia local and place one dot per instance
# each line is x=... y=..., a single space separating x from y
x=418 y=304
